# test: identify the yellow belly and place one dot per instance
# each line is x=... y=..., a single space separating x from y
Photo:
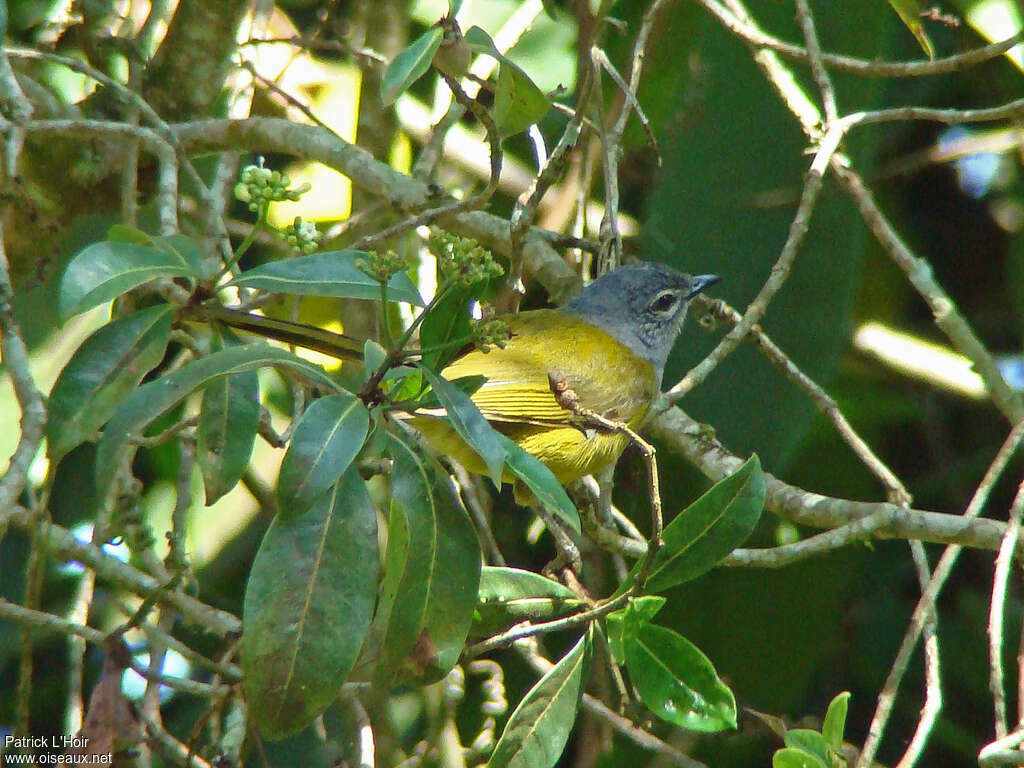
x=517 y=399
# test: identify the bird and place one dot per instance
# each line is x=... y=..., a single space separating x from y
x=602 y=353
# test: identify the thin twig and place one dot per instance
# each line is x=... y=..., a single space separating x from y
x=947 y=317
x=926 y=604
x=897 y=492
x=997 y=609
x=863 y=67
x=779 y=272
x=933 y=682
x=821 y=76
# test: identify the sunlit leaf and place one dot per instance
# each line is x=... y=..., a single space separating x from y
x=327 y=438
x=103 y=271
x=536 y=732
x=510 y=595
x=791 y=757
x=809 y=741
x=710 y=528
x=676 y=681
x=330 y=273
x=308 y=605
x=410 y=65
x=518 y=102
x=835 y=721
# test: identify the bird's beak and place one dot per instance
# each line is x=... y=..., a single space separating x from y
x=700 y=282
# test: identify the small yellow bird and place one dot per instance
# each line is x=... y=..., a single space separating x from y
x=608 y=346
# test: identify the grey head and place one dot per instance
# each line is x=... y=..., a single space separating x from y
x=642 y=305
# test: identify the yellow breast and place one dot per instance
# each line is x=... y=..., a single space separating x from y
x=517 y=399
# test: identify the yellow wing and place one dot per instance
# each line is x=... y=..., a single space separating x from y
x=606 y=376
x=517 y=397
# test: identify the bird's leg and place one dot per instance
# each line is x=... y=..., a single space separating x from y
x=569 y=400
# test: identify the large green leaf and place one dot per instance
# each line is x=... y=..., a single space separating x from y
x=536 y=732
x=330 y=273
x=101 y=373
x=538 y=478
x=447 y=321
x=229 y=416
x=676 y=681
x=105 y=270
x=710 y=528
x=308 y=605
x=432 y=568
x=518 y=102
x=410 y=65
x=327 y=438
x=469 y=423
x=510 y=595
x=152 y=400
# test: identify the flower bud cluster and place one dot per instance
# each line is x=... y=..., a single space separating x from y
x=302 y=235
x=382 y=266
x=490 y=332
x=462 y=260
x=260 y=185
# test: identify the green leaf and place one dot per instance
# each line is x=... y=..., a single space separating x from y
x=330 y=273
x=630 y=619
x=447 y=321
x=676 y=681
x=152 y=400
x=103 y=271
x=469 y=423
x=432 y=568
x=790 y=757
x=453 y=7
x=374 y=356
x=518 y=102
x=122 y=233
x=809 y=741
x=538 y=478
x=502 y=584
x=410 y=65
x=187 y=249
x=101 y=373
x=710 y=528
x=229 y=416
x=510 y=595
x=308 y=605
x=327 y=438
x=835 y=721
x=538 y=729
x=909 y=12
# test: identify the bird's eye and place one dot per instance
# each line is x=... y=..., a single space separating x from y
x=665 y=303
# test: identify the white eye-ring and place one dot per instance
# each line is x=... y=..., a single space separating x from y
x=665 y=303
